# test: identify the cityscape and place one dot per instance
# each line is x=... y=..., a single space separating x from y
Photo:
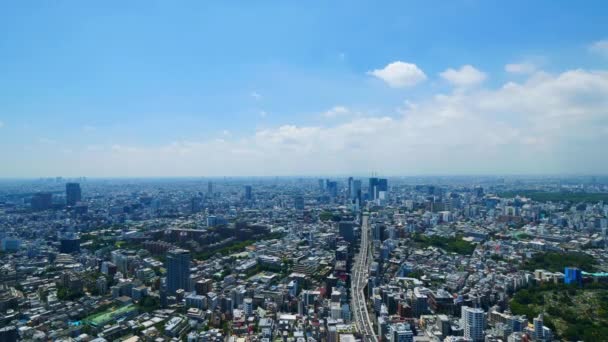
x=304 y=171
x=304 y=259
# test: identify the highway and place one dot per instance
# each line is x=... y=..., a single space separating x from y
x=359 y=273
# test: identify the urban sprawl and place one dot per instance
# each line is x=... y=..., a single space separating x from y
x=344 y=259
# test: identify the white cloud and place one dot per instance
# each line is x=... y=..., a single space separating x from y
x=600 y=47
x=255 y=95
x=336 y=112
x=466 y=76
x=520 y=68
x=263 y=113
x=399 y=74
x=547 y=123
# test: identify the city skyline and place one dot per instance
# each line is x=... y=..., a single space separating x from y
x=85 y=92
x=319 y=171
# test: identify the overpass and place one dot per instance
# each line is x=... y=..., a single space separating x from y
x=359 y=279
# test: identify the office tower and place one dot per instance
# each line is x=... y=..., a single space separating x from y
x=209 y=187
x=10 y=244
x=382 y=185
x=330 y=282
x=538 y=327
x=248 y=195
x=541 y=332
x=248 y=306
x=355 y=194
x=473 y=321
x=373 y=186
x=72 y=193
x=178 y=270
x=350 y=185
x=321 y=185
x=42 y=201
x=347 y=231
x=332 y=188
x=355 y=189
x=401 y=332
x=299 y=203
x=162 y=293
x=196 y=204
x=573 y=275
x=420 y=302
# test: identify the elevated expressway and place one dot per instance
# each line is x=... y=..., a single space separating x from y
x=359 y=280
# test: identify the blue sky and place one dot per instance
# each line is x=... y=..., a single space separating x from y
x=104 y=89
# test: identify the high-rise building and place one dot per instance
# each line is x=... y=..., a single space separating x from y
x=538 y=328
x=541 y=332
x=196 y=204
x=573 y=275
x=373 y=185
x=209 y=187
x=401 y=332
x=248 y=306
x=382 y=186
x=299 y=203
x=332 y=188
x=10 y=244
x=346 y=230
x=42 y=201
x=248 y=195
x=73 y=194
x=178 y=270
x=350 y=185
x=355 y=191
x=473 y=321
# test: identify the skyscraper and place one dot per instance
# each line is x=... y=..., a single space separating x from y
x=209 y=187
x=538 y=328
x=473 y=321
x=248 y=195
x=42 y=201
x=401 y=332
x=382 y=185
x=178 y=270
x=72 y=193
x=299 y=203
x=196 y=204
x=332 y=188
x=573 y=275
x=350 y=185
x=373 y=185
x=347 y=231
x=355 y=193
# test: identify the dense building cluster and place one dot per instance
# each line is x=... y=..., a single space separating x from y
x=297 y=259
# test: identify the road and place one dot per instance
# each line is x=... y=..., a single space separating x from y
x=359 y=273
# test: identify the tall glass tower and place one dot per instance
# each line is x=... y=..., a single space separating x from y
x=178 y=270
